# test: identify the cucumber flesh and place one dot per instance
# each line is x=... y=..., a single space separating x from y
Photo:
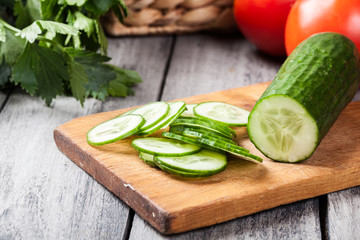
x=203 y=162
x=176 y=108
x=205 y=124
x=114 y=129
x=164 y=147
x=189 y=112
x=195 y=134
x=189 y=140
x=147 y=158
x=152 y=113
x=222 y=112
x=181 y=173
x=282 y=129
x=219 y=145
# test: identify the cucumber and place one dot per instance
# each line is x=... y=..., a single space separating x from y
x=151 y=112
x=147 y=158
x=204 y=162
x=188 y=132
x=114 y=129
x=312 y=87
x=176 y=108
x=181 y=173
x=189 y=110
x=224 y=113
x=181 y=128
x=189 y=140
x=218 y=145
x=164 y=147
x=205 y=124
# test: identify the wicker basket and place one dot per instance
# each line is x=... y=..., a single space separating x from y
x=172 y=16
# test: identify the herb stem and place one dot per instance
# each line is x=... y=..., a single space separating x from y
x=8 y=26
x=56 y=44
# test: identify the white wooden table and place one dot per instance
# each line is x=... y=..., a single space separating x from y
x=43 y=195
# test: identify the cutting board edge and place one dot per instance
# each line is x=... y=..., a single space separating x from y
x=133 y=199
x=177 y=221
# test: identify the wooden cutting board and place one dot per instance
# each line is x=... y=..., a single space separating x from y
x=175 y=204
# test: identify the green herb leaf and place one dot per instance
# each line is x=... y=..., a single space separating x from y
x=78 y=79
x=23 y=18
x=120 y=10
x=97 y=7
x=2 y=33
x=23 y=73
x=48 y=9
x=41 y=71
x=32 y=32
x=99 y=74
x=121 y=85
x=78 y=3
x=84 y=23
x=12 y=48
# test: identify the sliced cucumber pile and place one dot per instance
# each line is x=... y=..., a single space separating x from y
x=217 y=144
x=152 y=113
x=197 y=140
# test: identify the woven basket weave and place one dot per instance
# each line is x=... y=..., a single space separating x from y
x=172 y=16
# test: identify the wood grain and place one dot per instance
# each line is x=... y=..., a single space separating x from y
x=205 y=63
x=174 y=204
x=295 y=221
x=44 y=195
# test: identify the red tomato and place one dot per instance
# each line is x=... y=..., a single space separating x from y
x=308 y=17
x=263 y=23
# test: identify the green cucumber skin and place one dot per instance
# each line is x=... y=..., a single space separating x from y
x=322 y=74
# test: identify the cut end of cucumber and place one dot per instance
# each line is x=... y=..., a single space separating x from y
x=282 y=129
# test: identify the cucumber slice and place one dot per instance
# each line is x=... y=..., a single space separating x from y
x=114 y=129
x=209 y=122
x=181 y=173
x=225 y=142
x=217 y=144
x=209 y=131
x=147 y=158
x=164 y=147
x=204 y=162
x=224 y=113
x=282 y=129
x=189 y=110
x=152 y=113
x=196 y=134
x=176 y=108
x=189 y=140
x=205 y=124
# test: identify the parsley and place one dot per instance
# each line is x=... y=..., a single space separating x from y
x=58 y=47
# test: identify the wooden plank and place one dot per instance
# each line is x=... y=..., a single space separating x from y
x=342 y=211
x=205 y=63
x=295 y=221
x=221 y=64
x=343 y=214
x=43 y=194
x=148 y=56
x=173 y=204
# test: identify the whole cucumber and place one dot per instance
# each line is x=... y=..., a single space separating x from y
x=312 y=87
